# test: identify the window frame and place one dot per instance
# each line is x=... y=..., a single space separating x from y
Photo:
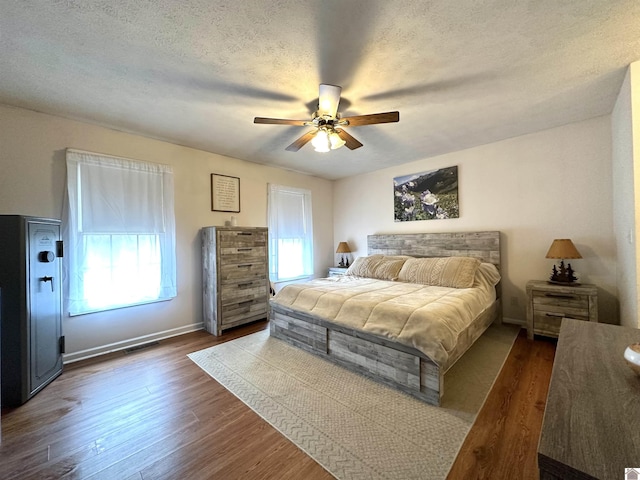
x=160 y=227
x=276 y=194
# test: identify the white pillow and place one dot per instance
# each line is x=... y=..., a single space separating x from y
x=454 y=272
x=381 y=267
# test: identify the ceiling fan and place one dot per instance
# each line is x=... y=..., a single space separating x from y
x=328 y=134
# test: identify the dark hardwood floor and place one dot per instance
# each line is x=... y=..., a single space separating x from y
x=503 y=441
x=153 y=414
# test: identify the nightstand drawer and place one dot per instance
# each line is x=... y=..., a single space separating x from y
x=548 y=322
x=561 y=305
x=561 y=311
x=563 y=300
x=548 y=325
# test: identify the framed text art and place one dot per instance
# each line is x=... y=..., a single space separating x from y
x=426 y=195
x=225 y=193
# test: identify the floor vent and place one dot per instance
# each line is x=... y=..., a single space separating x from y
x=140 y=347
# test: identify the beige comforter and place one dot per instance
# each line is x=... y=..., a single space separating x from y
x=424 y=317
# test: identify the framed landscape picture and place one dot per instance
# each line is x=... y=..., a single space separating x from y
x=426 y=195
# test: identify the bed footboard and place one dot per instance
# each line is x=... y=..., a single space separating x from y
x=398 y=366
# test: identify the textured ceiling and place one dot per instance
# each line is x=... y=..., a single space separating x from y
x=196 y=72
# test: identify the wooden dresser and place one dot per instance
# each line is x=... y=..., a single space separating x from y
x=549 y=303
x=235 y=275
x=591 y=419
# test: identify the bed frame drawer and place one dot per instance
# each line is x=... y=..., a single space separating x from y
x=383 y=362
x=306 y=335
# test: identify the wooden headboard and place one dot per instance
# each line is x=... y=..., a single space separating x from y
x=485 y=246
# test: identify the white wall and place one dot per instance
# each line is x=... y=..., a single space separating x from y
x=534 y=188
x=625 y=128
x=32 y=182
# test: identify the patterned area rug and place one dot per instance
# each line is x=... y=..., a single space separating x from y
x=354 y=427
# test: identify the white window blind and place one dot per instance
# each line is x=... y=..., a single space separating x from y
x=119 y=232
x=290 y=233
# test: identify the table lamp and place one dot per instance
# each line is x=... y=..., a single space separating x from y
x=343 y=247
x=563 y=248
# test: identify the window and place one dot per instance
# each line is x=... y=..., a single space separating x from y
x=290 y=233
x=119 y=232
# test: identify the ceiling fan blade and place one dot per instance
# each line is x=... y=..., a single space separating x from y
x=302 y=141
x=280 y=121
x=328 y=100
x=350 y=142
x=357 y=120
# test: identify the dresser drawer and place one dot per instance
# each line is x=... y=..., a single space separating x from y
x=241 y=271
x=252 y=254
x=240 y=311
x=236 y=292
x=240 y=238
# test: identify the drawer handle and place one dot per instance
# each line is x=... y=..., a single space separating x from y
x=240 y=285
x=244 y=249
x=245 y=265
x=556 y=315
x=245 y=233
x=557 y=295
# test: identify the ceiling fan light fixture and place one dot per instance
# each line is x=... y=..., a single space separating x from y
x=321 y=142
x=326 y=136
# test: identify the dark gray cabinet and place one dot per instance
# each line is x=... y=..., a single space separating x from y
x=31 y=318
x=590 y=426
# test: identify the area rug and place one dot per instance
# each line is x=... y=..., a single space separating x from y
x=352 y=426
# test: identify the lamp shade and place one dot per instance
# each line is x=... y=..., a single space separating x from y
x=343 y=247
x=335 y=140
x=563 y=248
x=321 y=141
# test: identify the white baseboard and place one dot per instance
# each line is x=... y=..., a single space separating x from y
x=132 y=342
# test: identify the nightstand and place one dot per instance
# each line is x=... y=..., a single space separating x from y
x=337 y=271
x=549 y=303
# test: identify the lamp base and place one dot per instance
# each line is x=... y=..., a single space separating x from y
x=562 y=275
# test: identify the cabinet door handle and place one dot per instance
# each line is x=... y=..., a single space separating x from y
x=47 y=279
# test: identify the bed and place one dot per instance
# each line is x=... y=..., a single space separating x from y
x=393 y=328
